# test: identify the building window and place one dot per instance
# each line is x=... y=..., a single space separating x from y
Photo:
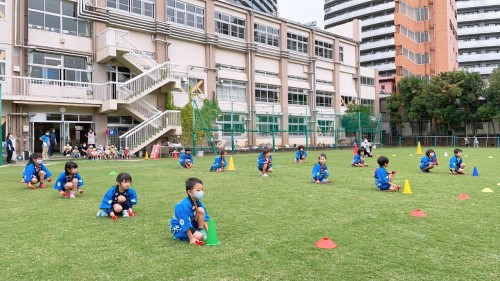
x=341 y=54
x=325 y=128
x=296 y=42
x=347 y=100
x=324 y=99
x=419 y=37
x=267 y=124
x=417 y=14
x=231 y=90
x=369 y=103
x=323 y=49
x=297 y=78
x=416 y=58
x=267 y=93
x=367 y=81
x=71 y=69
x=186 y=14
x=140 y=7
x=57 y=16
x=297 y=96
x=118 y=74
x=3 y=60
x=326 y=82
x=233 y=68
x=229 y=25
x=238 y=123
x=266 y=73
x=266 y=35
x=2 y=9
x=297 y=125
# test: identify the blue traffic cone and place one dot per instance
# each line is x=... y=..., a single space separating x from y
x=475 y=173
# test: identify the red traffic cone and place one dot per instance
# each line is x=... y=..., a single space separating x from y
x=463 y=197
x=325 y=243
x=418 y=213
x=176 y=154
x=355 y=149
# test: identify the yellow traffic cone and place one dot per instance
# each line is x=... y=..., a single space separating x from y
x=419 y=149
x=407 y=188
x=230 y=167
x=147 y=156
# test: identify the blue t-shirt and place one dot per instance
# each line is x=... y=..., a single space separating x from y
x=357 y=159
x=263 y=160
x=319 y=172
x=217 y=163
x=111 y=195
x=381 y=178
x=424 y=162
x=183 y=219
x=299 y=153
x=455 y=162
x=63 y=179
x=185 y=156
x=32 y=170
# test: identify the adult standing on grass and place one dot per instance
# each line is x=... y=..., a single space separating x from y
x=45 y=145
x=9 y=145
x=91 y=137
x=53 y=141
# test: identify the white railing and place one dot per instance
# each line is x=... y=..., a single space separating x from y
x=119 y=39
x=141 y=84
x=48 y=89
x=141 y=135
x=143 y=108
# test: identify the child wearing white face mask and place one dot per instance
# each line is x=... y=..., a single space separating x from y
x=189 y=222
x=35 y=172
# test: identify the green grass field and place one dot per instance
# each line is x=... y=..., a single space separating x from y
x=267 y=226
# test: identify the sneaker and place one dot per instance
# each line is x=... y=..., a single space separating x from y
x=203 y=232
x=42 y=185
x=102 y=213
x=72 y=195
x=125 y=213
x=265 y=175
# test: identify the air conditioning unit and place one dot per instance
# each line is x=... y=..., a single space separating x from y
x=341 y=136
x=218 y=134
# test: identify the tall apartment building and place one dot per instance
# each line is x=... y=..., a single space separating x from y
x=111 y=65
x=479 y=35
x=400 y=38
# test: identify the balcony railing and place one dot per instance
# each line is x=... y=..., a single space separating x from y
x=377 y=44
x=378 y=56
x=362 y=12
x=478 y=17
x=380 y=31
x=478 y=44
x=476 y=3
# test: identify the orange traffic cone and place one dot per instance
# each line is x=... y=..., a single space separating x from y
x=176 y=154
x=355 y=149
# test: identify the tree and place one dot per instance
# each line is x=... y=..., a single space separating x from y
x=395 y=106
x=415 y=110
x=357 y=118
x=490 y=109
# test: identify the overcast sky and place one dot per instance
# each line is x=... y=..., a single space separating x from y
x=302 y=10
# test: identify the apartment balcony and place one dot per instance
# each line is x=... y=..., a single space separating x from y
x=479 y=57
x=476 y=4
x=377 y=44
x=362 y=12
x=383 y=67
x=478 y=17
x=378 y=56
x=378 y=32
x=483 y=70
x=347 y=5
x=478 y=44
x=377 y=20
x=478 y=30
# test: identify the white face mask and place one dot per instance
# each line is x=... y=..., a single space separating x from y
x=39 y=161
x=198 y=195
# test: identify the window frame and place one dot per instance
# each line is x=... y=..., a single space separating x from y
x=272 y=94
x=270 y=125
x=325 y=95
x=130 y=7
x=232 y=90
x=266 y=37
x=323 y=49
x=238 y=124
x=297 y=128
x=197 y=13
x=297 y=43
x=298 y=96
x=235 y=27
x=62 y=71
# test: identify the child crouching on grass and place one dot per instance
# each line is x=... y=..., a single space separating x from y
x=320 y=171
x=359 y=158
x=69 y=181
x=219 y=163
x=119 y=199
x=36 y=172
x=189 y=222
x=456 y=165
x=427 y=161
x=300 y=155
x=265 y=162
x=383 y=179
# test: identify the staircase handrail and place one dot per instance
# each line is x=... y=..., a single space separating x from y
x=140 y=54
x=144 y=108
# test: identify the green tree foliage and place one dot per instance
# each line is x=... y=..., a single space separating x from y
x=414 y=101
x=357 y=117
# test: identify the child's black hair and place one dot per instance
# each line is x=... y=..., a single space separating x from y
x=123 y=177
x=300 y=146
x=69 y=165
x=265 y=151
x=361 y=149
x=322 y=155
x=187 y=149
x=222 y=151
x=428 y=152
x=382 y=160
x=33 y=158
x=457 y=150
x=191 y=182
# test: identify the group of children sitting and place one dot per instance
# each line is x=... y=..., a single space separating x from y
x=97 y=153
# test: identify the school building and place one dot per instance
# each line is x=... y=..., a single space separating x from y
x=111 y=65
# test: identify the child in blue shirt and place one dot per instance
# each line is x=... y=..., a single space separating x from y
x=427 y=161
x=359 y=158
x=265 y=162
x=456 y=166
x=35 y=172
x=69 y=181
x=189 y=222
x=219 y=163
x=383 y=179
x=300 y=155
x=119 y=199
x=186 y=159
x=320 y=171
